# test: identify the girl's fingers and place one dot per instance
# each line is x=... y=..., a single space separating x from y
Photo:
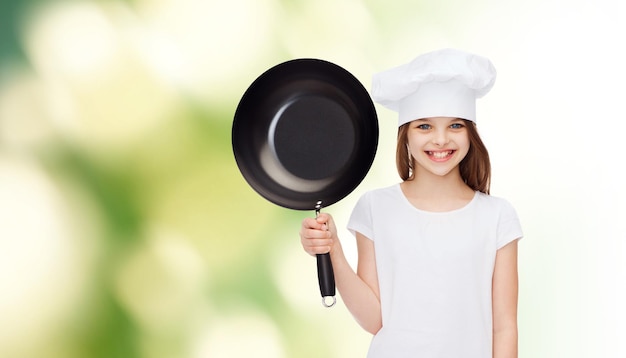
x=318 y=250
x=320 y=247
x=312 y=223
x=315 y=235
x=316 y=242
x=310 y=241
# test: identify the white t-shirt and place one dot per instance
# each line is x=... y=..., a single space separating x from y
x=435 y=272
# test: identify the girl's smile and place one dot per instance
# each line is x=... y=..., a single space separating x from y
x=440 y=155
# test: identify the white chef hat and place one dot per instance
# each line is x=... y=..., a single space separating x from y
x=443 y=83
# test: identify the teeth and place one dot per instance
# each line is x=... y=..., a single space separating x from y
x=441 y=155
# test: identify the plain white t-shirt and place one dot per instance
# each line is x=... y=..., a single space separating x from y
x=435 y=272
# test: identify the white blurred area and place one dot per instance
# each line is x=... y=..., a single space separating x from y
x=45 y=256
x=104 y=75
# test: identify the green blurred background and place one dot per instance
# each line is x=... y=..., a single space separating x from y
x=126 y=229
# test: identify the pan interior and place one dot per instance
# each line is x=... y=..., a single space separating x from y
x=312 y=136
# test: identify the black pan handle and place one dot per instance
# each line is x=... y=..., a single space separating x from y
x=325 y=273
x=326 y=278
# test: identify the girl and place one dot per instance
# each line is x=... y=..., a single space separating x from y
x=437 y=255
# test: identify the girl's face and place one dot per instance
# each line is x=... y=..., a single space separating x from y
x=438 y=144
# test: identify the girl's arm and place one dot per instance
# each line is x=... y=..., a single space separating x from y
x=505 y=292
x=359 y=290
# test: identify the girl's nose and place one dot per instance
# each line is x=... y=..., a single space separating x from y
x=440 y=138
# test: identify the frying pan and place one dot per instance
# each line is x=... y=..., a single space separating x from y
x=304 y=136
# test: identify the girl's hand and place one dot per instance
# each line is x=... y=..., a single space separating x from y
x=318 y=235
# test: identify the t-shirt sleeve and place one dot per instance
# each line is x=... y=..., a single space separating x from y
x=509 y=227
x=361 y=218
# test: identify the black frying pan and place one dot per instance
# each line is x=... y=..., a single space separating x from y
x=304 y=136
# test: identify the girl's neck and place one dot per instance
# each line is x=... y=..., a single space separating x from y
x=437 y=193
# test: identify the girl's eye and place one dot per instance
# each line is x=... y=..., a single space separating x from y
x=424 y=126
x=456 y=125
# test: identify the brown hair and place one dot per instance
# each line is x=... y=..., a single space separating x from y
x=475 y=168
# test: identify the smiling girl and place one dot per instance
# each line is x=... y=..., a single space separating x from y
x=437 y=254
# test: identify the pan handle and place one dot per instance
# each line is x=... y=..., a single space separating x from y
x=325 y=273
x=326 y=278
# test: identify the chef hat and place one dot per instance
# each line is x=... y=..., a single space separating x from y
x=443 y=83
